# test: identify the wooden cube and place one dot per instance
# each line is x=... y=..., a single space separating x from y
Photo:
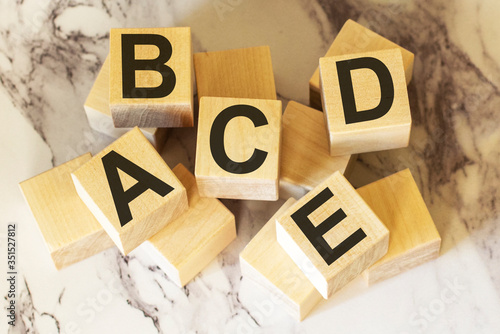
x=264 y=261
x=99 y=115
x=186 y=245
x=414 y=240
x=70 y=231
x=365 y=102
x=354 y=38
x=332 y=235
x=305 y=155
x=151 y=77
x=130 y=190
x=238 y=148
x=242 y=73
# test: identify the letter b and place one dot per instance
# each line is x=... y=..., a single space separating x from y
x=130 y=65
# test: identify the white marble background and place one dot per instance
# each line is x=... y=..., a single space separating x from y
x=50 y=52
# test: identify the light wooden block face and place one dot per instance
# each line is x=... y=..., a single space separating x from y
x=151 y=77
x=354 y=38
x=238 y=148
x=365 y=102
x=186 y=245
x=130 y=190
x=332 y=235
x=242 y=73
x=69 y=229
x=264 y=261
x=414 y=240
x=99 y=115
x=305 y=155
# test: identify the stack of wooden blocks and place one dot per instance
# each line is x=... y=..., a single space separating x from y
x=126 y=195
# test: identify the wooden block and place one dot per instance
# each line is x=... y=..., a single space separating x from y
x=365 y=101
x=151 y=77
x=242 y=73
x=305 y=155
x=186 y=245
x=238 y=148
x=332 y=235
x=130 y=190
x=69 y=229
x=414 y=240
x=99 y=115
x=264 y=261
x=354 y=38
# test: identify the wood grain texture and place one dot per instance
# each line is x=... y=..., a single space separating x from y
x=414 y=239
x=173 y=110
x=241 y=73
x=70 y=231
x=150 y=211
x=241 y=138
x=354 y=38
x=190 y=242
x=305 y=155
x=99 y=114
x=387 y=132
x=329 y=278
x=264 y=261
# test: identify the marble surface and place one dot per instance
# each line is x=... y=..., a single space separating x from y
x=50 y=52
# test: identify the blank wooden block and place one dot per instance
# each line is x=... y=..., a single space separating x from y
x=99 y=115
x=305 y=155
x=264 y=261
x=414 y=240
x=332 y=235
x=238 y=148
x=354 y=38
x=242 y=73
x=70 y=231
x=366 y=111
x=130 y=190
x=186 y=245
x=151 y=77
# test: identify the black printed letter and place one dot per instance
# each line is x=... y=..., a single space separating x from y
x=112 y=161
x=315 y=234
x=344 y=69
x=217 y=139
x=130 y=65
